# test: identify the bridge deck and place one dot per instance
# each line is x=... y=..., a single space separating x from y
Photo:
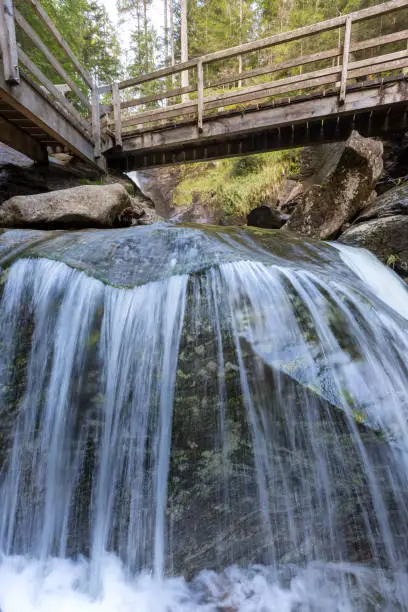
x=375 y=109
x=313 y=84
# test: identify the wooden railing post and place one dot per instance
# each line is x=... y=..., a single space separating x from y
x=200 y=91
x=116 y=114
x=8 y=42
x=96 y=121
x=346 y=56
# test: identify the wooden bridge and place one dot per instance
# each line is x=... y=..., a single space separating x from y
x=312 y=85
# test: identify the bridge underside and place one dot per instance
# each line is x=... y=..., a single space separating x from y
x=32 y=123
x=374 y=108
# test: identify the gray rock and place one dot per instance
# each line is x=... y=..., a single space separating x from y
x=323 y=210
x=84 y=206
x=386 y=237
x=393 y=202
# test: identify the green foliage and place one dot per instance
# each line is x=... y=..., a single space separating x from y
x=392 y=260
x=86 y=27
x=232 y=187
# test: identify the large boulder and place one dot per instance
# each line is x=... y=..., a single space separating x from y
x=84 y=206
x=324 y=209
x=383 y=229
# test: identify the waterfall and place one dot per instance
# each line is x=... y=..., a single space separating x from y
x=201 y=421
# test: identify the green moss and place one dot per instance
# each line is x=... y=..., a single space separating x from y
x=392 y=260
x=85 y=181
x=359 y=417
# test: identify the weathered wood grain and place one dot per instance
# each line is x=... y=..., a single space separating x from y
x=8 y=43
x=346 y=55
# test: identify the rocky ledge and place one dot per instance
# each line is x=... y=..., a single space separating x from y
x=99 y=206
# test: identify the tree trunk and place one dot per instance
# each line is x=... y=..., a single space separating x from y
x=184 y=46
x=240 y=42
x=147 y=59
x=166 y=33
x=172 y=58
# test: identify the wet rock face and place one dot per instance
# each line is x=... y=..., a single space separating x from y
x=383 y=229
x=266 y=217
x=322 y=211
x=79 y=207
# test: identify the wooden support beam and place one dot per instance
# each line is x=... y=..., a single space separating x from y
x=36 y=6
x=117 y=114
x=8 y=43
x=346 y=56
x=25 y=26
x=21 y=141
x=200 y=86
x=32 y=102
x=96 y=122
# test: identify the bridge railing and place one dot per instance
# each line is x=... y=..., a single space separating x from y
x=25 y=54
x=313 y=60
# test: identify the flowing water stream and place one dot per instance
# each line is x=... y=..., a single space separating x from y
x=201 y=420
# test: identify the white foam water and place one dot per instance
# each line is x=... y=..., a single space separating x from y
x=384 y=283
x=62 y=584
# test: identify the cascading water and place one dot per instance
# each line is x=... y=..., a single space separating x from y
x=201 y=420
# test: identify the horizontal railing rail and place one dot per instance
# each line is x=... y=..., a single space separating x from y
x=349 y=60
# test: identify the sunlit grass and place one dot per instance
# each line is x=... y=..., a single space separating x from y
x=235 y=186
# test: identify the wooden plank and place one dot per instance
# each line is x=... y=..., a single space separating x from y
x=346 y=55
x=380 y=59
x=8 y=42
x=268 y=87
x=157 y=74
x=309 y=59
x=270 y=69
x=332 y=77
x=96 y=122
x=117 y=114
x=170 y=93
x=379 y=41
x=33 y=103
x=292 y=84
x=385 y=67
x=73 y=114
x=24 y=25
x=60 y=40
x=200 y=86
x=19 y=140
x=184 y=108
